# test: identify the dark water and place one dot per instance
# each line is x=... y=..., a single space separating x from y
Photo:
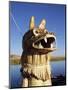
x=57 y=68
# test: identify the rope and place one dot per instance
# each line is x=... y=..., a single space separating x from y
x=34 y=66
x=15 y=23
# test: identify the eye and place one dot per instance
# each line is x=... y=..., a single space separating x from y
x=35 y=32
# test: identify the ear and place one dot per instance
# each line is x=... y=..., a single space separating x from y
x=32 y=23
x=42 y=24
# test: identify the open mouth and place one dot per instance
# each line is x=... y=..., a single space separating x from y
x=45 y=43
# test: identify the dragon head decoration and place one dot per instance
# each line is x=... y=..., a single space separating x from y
x=37 y=43
x=38 y=39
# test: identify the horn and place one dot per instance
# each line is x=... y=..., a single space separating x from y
x=42 y=24
x=32 y=25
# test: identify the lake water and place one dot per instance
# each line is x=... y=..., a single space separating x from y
x=57 y=68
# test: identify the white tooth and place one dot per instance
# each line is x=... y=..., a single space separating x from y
x=40 y=46
x=45 y=39
x=51 y=45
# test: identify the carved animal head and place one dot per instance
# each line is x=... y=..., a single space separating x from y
x=38 y=39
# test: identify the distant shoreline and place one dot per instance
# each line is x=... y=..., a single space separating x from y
x=15 y=59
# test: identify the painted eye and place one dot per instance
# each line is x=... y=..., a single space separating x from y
x=35 y=32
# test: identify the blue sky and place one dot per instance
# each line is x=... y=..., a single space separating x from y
x=22 y=12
